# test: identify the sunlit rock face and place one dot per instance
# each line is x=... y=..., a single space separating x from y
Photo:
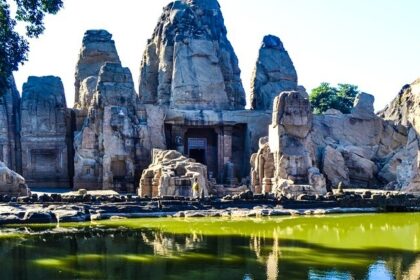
x=274 y=73
x=97 y=49
x=11 y=183
x=287 y=160
x=110 y=146
x=291 y=143
x=44 y=132
x=189 y=63
x=404 y=110
x=9 y=126
x=358 y=149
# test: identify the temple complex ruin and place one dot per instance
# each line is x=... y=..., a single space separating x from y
x=188 y=120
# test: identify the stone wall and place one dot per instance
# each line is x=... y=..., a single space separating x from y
x=44 y=133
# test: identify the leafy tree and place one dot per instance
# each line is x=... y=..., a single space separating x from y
x=14 y=47
x=326 y=97
x=346 y=94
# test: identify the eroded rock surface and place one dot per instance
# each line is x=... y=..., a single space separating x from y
x=358 y=149
x=110 y=146
x=274 y=73
x=189 y=63
x=172 y=174
x=9 y=123
x=97 y=49
x=11 y=183
x=404 y=110
x=290 y=146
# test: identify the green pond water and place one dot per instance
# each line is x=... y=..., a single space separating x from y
x=368 y=246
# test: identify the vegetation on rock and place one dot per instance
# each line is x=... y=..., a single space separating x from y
x=326 y=97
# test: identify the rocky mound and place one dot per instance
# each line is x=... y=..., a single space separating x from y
x=12 y=183
x=189 y=63
x=172 y=174
x=357 y=149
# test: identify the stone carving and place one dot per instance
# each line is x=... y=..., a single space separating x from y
x=172 y=174
x=189 y=63
x=290 y=140
x=9 y=123
x=262 y=168
x=290 y=146
x=44 y=132
x=12 y=183
x=97 y=48
x=274 y=73
x=110 y=147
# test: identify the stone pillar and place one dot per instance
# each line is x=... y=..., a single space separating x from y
x=224 y=149
x=227 y=144
x=178 y=139
x=267 y=185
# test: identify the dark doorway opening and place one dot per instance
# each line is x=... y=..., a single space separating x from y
x=118 y=169
x=199 y=155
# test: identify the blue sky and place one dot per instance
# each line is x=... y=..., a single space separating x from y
x=374 y=44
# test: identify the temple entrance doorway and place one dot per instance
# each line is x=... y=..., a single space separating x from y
x=201 y=145
x=197 y=149
x=118 y=169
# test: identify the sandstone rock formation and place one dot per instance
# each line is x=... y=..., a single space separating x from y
x=44 y=133
x=9 y=124
x=287 y=161
x=109 y=148
x=291 y=143
x=358 y=149
x=334 y=167
x=12 y=183
x=189 y=63
x=192 y=100
x=172 y=174
x=97 y=48
x=404 y=110
x=273 y=74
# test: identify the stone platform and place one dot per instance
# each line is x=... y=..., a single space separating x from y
x=56 y=208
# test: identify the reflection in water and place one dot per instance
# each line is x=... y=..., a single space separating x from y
x=335 y=247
